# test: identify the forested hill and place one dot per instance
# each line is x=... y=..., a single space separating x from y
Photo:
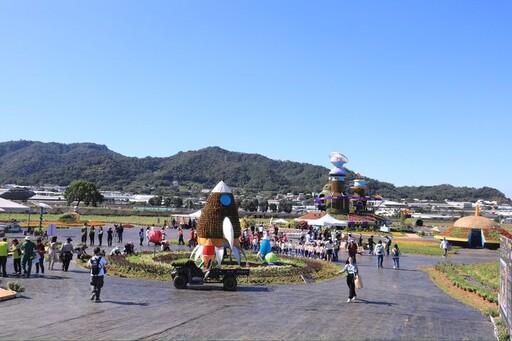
x=38 y=163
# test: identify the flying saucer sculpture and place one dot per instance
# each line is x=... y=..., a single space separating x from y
x=338 y=159
x=332 y=195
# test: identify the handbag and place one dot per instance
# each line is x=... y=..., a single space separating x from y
x=358 y=281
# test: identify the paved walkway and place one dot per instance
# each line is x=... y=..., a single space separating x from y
x=394 y=305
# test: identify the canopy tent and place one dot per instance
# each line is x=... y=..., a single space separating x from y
x=327 y=220
x=195 y=215
x=280 y=221
x=40 y=204
x=11 y=206
x=182 y=219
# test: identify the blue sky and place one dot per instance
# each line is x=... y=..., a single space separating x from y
x=412 y=92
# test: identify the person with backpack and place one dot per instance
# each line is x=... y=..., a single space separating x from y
x=97 y=265
x=395 y=255
x=379 y=251
x=66 y=252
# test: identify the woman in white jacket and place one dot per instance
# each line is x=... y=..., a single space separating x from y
x=352 y=270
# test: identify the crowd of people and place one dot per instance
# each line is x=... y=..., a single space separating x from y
x=316 y=244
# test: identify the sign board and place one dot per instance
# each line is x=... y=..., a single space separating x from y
x=505 y=295
x=307 y=278
x=384 y=228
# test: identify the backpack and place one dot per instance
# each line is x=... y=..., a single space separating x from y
x=95 y=266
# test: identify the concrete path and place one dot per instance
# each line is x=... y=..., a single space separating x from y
x=393 y=305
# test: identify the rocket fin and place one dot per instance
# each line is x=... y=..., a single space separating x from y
x=227 y=230
x=236 y=252
x=219 y=252
x=198 y=250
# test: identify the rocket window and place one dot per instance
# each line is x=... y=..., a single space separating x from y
x=225 y=200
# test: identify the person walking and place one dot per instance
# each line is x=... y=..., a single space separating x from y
x=371 y=245
x=395 y=255
x=120 y=230
x=110 y=236
x=352 y=250
x=352 y=270
x=53 y=253
x=141 y=236
x=147 y=234
x=67 y=254
x=100 y=235
x=92 y=233
x=97 y=265
x=28 y=254
x=40 y=260
x=328 y=249
x=4 y=248
x=444 y=245
x=15 y=249
x=84 y=234
x=388 y=245
x=379 y=251
x=180 y=236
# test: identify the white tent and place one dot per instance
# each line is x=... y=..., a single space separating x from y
x=11 y=206
x=280 y=221
x=327 y=220
x=40 y=204
x=186 y=218
x=195 y=215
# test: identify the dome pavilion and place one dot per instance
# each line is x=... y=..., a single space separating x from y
x=475 y=231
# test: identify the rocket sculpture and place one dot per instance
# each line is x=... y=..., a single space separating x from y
x=218 y=228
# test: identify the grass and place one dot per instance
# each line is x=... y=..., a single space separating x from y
x=133 y=219
x=422 y=247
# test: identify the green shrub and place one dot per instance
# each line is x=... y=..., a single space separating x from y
x=67 y=218
x=15 y=286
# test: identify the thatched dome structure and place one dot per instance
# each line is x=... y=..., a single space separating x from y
x=476 y=222
x=475 y=231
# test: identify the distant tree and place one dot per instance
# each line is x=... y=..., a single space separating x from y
x=249 y=205
x=190 y=204
x=263 y=205
x=285 y=206
x=167 y=202
x=83 y=191
x=155 y=201
x=272 y=207
x=176 y=202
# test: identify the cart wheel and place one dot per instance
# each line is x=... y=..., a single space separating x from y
x=180 y=282
x=230 y=283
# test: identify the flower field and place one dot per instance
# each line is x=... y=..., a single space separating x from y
x=158 y=267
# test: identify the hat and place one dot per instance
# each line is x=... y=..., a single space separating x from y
x=27 y=238
x=69 y=240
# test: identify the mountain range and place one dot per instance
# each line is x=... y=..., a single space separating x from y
x=39 y=163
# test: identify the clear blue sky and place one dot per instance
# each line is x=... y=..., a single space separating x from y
x=412 y=92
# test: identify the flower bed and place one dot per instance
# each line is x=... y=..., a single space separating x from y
x=158 y=267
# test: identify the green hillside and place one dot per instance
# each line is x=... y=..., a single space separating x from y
x=38 y=163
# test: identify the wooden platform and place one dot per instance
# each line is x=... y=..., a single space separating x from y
x=6 y=294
